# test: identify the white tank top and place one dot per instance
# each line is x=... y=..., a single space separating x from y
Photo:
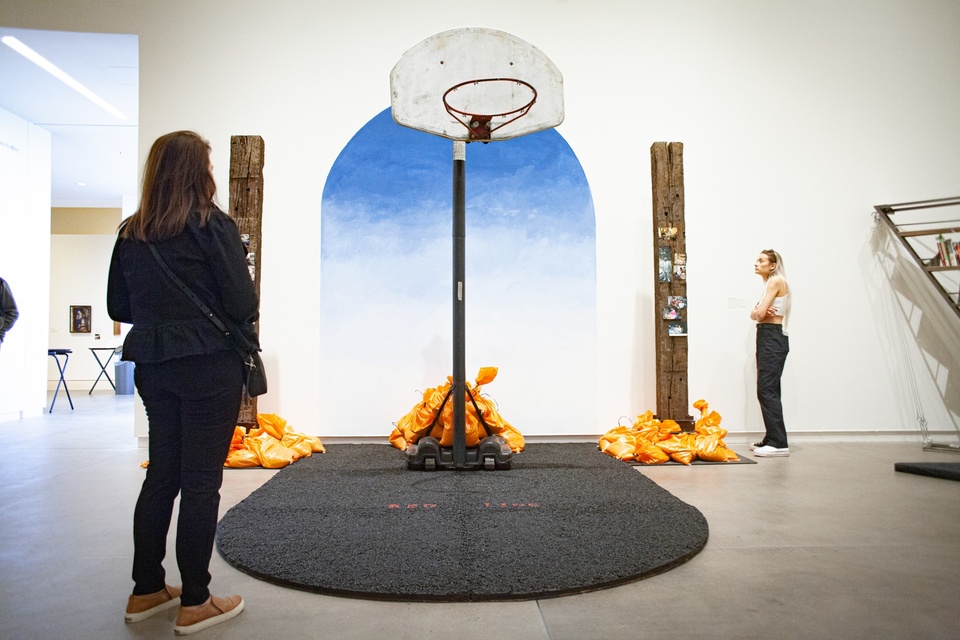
x=781 y=306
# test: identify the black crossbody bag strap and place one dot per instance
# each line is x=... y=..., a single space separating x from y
x=197 y=301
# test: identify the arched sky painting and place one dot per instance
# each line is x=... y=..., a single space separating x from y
x=386 y=309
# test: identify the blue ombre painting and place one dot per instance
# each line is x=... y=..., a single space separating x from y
x=386 y=309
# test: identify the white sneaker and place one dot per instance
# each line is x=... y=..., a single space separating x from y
x=756 y=445
x=771 y=452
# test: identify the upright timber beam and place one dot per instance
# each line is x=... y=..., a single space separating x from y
x=670 y=304
x=246 y=207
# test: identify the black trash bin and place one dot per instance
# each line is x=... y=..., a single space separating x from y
x=123 y=377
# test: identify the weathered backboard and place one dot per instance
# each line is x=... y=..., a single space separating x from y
x=476 y=84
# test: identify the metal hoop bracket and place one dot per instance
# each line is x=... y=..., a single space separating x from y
x=478 y=124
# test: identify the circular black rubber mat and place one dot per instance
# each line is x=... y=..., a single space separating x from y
x=355 y=522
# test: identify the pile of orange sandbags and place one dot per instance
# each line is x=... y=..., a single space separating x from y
x=417 y=423
x=651 y=441
x=272 y=444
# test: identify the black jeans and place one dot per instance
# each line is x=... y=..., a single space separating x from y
x=192 y=406
x=772 y=349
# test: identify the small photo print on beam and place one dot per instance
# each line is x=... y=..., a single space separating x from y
x=665 y=270
x=679 y=266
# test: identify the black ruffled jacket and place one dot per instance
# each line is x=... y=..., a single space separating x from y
x=212 y=261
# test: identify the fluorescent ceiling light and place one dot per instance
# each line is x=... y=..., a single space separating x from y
x=60 y=74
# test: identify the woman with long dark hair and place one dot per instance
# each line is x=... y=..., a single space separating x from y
x=188 y=373
x=773 y=345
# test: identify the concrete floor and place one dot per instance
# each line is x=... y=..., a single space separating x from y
x=829 y=543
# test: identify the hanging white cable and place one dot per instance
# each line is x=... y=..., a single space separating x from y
x=895 y=316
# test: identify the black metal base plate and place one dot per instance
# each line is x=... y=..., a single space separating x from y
x=492 y=454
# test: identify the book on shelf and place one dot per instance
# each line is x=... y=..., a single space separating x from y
x=948 y=252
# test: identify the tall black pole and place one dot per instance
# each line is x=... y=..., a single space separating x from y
x=459 y=308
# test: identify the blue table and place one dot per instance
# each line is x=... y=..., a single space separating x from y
x=55 y=354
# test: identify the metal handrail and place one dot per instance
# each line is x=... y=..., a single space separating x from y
x=886 y=210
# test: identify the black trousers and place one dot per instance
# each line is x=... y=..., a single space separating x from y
x=772 y=349
x=192 y=406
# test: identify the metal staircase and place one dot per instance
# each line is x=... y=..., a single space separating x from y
x=929 y=232
x=923 y=227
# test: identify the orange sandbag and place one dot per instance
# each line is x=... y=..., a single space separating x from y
x=649 y=432
x=513 y=437
x=623 y=448
x=709 y=447
x=398 y=440
x=658 y=441
x=242 y=459
x=709 y=425
x=486 y=375
x=709 y=431
x=298 y=443
x=236 y=442
x=649 y=453
x=417 y=422
x=272 y=444
x=271 y=453
x=627 y=442
x=315 y=445
x=680 y=447
x=272 y=424
x=303 y=444
x=612 y=436
x=668 y=427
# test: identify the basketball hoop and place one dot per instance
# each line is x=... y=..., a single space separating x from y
x=479 y=124
x=477 y=109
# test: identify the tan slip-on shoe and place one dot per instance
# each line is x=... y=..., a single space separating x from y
x=214 y=611
x=142 y=607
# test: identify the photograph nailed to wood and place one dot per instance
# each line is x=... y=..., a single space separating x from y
x=679 y=266
x=80 y=321
x=664 y=272
x=676 y=329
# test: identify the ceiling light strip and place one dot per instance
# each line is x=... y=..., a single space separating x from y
x=61 y=75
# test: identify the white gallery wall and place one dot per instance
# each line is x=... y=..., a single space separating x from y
x=796 y=119
x=24 y=262
x=79 y=267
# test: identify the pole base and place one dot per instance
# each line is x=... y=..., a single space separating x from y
x=492 y=454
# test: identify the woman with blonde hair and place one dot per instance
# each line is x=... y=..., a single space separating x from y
x=773 y=345
x=188 y=373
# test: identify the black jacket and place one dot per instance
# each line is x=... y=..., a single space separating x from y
x=166 y=324
x=8 y=308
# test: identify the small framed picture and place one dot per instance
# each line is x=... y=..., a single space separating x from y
x=676 y=329
x=80 y=320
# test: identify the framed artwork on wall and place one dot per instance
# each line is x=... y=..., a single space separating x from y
x=80 y=321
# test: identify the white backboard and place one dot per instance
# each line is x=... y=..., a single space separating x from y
x=494 y=73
